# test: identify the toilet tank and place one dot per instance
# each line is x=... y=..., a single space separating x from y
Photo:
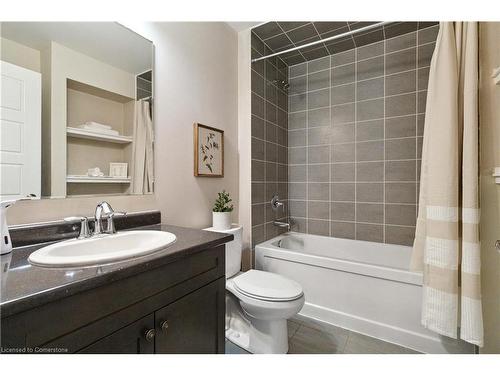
x=233 y=249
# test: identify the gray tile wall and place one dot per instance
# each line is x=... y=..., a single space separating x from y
x=269 y=141
x=355 y=126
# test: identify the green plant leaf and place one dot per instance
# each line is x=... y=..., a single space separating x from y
x=222 y=203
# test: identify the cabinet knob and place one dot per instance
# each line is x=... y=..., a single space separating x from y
x=150 y=334
x=164 y=326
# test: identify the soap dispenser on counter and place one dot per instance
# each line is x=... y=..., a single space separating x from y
x=6 y=243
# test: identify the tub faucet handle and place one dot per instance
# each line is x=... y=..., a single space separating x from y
x=276 y=203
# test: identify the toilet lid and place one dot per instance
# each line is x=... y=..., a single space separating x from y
x=267 y=286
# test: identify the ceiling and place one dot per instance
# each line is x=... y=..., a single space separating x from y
x=280 y=36
x=240 y=26
x=108 y=42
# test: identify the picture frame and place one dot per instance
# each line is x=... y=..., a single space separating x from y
x=208 y=151
x=118 y=170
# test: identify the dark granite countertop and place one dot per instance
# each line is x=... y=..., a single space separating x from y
x=24 y=286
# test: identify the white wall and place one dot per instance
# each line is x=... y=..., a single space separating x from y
x=489 y=117
x=19 y=54
x=245 y=143
x=195 y=81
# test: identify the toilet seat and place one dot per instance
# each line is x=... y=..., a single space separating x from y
x=267 y=286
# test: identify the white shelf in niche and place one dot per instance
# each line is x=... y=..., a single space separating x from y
x=496 y=175
x=82 y=133
x=496 y=76
x=76 y=179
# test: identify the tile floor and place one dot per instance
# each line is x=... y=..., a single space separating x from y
x=307 y=336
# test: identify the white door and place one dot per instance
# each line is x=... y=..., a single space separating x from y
x=20 y=132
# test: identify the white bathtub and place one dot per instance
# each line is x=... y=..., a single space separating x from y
x=361 y=286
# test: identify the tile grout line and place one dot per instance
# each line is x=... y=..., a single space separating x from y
x=383 y=40
x=416 y=130
x=330 y=155
x=298 y=27
x=265 y=148
x=265 y=79
x=307 y=152
x=349 y=201
x=361 y=80
x=359 y=101
x=350 y=122
x=355 y=143
x=322 y=44
x=266 y=45
x=343 y=143
x=384 y=137
x=362 y=222
x=347 y=341
x=350 y=182
x=291 y=41
x=366 y=59
x=287 y=75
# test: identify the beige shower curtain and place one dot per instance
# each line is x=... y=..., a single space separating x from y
x=446 y=244
x=142 y=152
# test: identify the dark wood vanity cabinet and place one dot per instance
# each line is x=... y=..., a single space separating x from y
x=132 y=339
x=175 y=308
x=188 y=325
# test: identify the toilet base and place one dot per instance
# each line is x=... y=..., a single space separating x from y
x=254 y=335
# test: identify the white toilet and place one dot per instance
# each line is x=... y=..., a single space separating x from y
x=258 y=303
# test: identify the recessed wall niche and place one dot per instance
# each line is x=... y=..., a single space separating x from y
x=89 y=149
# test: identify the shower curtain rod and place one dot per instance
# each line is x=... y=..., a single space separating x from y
x=366 y=28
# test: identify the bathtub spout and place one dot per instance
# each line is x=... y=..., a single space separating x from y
x=282 y=225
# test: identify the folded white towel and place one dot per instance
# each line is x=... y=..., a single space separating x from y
x=99 y=131
x=97 y=125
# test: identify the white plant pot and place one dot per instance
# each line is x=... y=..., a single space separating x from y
x=221 y=220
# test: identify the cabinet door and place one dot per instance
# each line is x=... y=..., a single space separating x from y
x=130 y=339
x=193 y=324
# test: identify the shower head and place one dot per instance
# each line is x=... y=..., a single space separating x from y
x=282 y=84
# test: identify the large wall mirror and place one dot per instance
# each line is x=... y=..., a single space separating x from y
x=76 y=110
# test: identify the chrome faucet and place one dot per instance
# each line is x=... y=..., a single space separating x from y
x=281 y=224
x=276 y=204
x=85 y=231
x=104 y=210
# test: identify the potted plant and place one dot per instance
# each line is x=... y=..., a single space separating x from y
x=221 y=215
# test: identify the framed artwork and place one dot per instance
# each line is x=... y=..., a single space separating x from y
x=118 y=170
x=208 y=151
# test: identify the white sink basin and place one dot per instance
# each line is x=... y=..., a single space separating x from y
x=101 y=249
